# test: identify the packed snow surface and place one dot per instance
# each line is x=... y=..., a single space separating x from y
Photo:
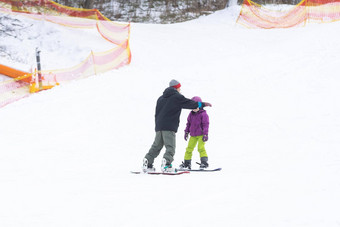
x=66 y=153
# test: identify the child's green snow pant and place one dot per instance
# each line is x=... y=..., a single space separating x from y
x=191 y=146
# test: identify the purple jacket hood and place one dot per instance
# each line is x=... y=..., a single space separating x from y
x=198 y=123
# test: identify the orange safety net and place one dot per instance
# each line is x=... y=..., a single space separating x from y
x=69 y=16
x=95 y=63
x=13 y=90
x=253 y=15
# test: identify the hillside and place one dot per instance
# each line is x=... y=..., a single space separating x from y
x=66 y=153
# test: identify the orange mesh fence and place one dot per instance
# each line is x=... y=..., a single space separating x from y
x=69 y=16
x=95 y=63
x=253 y=15
x=13 y=90
x=320 y=11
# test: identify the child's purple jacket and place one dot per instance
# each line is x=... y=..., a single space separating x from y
x=198 y=123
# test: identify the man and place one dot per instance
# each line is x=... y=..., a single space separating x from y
x=168 y=110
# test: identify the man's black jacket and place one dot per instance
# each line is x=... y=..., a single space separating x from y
x=169 y=108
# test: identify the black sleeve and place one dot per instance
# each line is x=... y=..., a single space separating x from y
x=187 y=103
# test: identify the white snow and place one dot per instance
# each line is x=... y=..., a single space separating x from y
x=66 y=153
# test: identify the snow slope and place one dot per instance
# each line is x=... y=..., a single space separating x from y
x=66 y=153
x=56 y=43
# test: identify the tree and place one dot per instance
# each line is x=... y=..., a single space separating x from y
x=88 y=4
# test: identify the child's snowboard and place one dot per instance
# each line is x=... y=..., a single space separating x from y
x=203 y=170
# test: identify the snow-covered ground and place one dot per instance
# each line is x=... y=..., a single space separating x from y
x=66 y=153
x=60 y=47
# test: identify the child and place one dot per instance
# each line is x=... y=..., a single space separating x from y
x=198 y=127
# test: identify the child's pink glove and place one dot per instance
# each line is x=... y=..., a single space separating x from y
x=205 y=138
x=186 y=136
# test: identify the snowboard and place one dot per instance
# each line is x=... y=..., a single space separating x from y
x=202 y=170
x=160 y=173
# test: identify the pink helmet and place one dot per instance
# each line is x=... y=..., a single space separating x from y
x=196 y=99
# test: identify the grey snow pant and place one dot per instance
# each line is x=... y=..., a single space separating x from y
x=163 y=138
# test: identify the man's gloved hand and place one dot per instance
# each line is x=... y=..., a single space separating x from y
x=207 y=104
x=205 y=138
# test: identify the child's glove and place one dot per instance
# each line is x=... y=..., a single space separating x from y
x=186 y=136
x=205 y=138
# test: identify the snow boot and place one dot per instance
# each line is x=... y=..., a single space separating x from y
x=147 y=167
x=185 y=165
x=204 y=163
x=166 y=166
